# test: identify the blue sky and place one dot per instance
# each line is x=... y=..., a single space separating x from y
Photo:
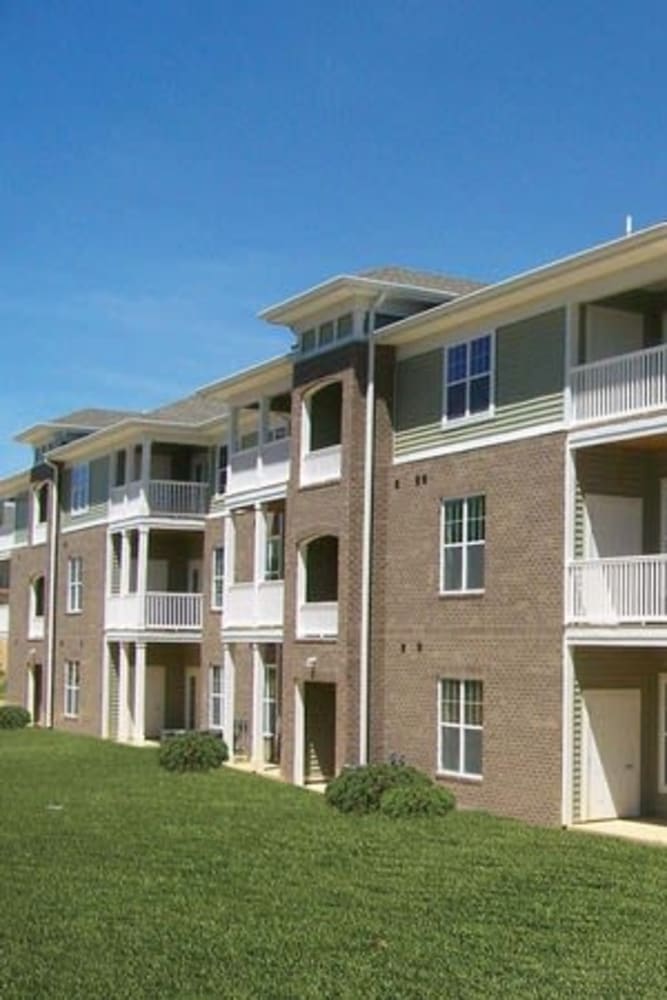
x=168 y=169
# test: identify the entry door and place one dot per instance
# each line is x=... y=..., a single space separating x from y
x=612 y=755
x=320 y=731
x=191 y=699
x=155 y=701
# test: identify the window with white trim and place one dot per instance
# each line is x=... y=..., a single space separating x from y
x=217 y=577
x=463 y=545
x=74 y=584
x=468 y=378
x=79 y=490
x=460 y=725
x=216 y=697
x=274 y=552
x=72 y=688
x=270 y=701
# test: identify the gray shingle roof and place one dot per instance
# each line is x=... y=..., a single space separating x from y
x=93 y=418
x=423 y=279
x=193 y=409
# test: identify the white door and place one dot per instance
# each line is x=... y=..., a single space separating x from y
x=614 y=526
x=611 y=753
x=612 y=331
x=155 y=697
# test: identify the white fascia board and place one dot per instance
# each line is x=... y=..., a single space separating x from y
x=180 y=432
x=249 y=379
x=561 y=280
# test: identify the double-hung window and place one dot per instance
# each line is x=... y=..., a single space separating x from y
x=275 y=545
x=463 y=544
x=79 y=488
x=72 y=688
x=216 y=698
x=460 y=719
x=74 y=584
x=468 y=378
x=217 y=577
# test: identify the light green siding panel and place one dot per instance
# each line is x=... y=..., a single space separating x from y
x=507 y=418
x=530 y=359
x=579 y=524
x=94 y=512
x=113 y=699
x=419 y=382
x=99 y=481
x=577 y=729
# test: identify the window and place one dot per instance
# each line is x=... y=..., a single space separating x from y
x=74 y=584
x=38 y=597
x=274 y=557
x=217 y=577
x=468 y=378
x=216 y=698
x=221 y=474
x=269 y=701
x=120 y=468
x=79 y=488
x=328 y=333
x=463 y=543
x=72 y=688
x=460 y=722
x=278 y=417
x=42 y=504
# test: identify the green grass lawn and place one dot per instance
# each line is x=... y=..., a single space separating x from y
x=120 y=880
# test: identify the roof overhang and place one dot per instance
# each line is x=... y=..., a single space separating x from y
x=339 y=290
x=16 y=483
x=39 y=434
x=249 y=380
x=564 y=280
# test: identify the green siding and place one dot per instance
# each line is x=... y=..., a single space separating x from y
x=113 y=698
x=577 y=729
x=528 y=387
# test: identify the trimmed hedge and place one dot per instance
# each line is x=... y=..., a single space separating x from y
x=414 y=801
x=192 y=752
x=14 y=717
x=360 y=789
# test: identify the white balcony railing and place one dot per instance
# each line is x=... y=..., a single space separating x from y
x=168 y=496
x=4 y=620
x=321 y=466
x=254 y=605
x=164 y=496
x=318 y=620
x=257 y=468
x=155 y=611
x=623 y=385
x=618 y=590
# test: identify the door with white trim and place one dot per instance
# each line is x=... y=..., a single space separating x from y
x=155 y=701
x=611 y=760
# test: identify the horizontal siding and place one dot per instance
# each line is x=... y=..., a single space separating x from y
x=513 y=417
x=95 y=512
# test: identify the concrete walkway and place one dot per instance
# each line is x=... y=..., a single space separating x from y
x=643 y=831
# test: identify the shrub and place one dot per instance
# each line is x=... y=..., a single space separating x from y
x=416 y=800
x=13 y=717
x=192 y=752
x=360 y=789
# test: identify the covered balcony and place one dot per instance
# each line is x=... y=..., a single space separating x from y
x=321 y=437
x=317 y=611
x=160 y=480
x=260 y=444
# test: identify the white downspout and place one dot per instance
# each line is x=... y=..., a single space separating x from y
x=53 y=569
x=367 y=537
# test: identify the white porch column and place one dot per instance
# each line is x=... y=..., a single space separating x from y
x=229 y=689
x=104 y=703
x=568 y=735
x=145 y=467
x=260 y=543
x=257 y=751
x=142 y=560
x=299 y=776
x=139 y=692
x=125 y=559
x=123 y=692
x=230 y=538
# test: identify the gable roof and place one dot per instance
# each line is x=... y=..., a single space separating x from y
x=422 y=279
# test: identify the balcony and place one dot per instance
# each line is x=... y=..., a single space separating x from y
x=626 y=385
x=4 y=620
x=155 y=611
x=254 y=605
x=164 y=497
x=258 y=468
x=321 y=466
x=618 y=590
x=318 y=620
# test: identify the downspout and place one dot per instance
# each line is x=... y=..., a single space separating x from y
x=367 y=538
x=54 y=531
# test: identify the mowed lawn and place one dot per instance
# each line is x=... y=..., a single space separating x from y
x=120 y=880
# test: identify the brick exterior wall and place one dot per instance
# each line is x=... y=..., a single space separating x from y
x=27 y=563
x=211 y=646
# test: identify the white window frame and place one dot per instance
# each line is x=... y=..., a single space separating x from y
x=269 y=540
x=216 y=697
x=80 y=488
x=270 y=668
x=74 y=585
x=467 y=342
x=461 y=726
x=72 y=689
x=217 y=577
x=662 y=733
x=464 y=545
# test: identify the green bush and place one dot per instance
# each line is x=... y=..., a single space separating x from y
x=192 y=752
x=416 y=800
x=360 y=789
x=13 y=717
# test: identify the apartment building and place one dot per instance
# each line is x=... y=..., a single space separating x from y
x=435 y=527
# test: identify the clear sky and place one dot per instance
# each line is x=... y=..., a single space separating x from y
x=169 y=168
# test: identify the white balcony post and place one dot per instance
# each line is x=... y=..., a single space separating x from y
x=230 y=557
x=139 y=692
x=257 y=753
x=142 y=560
x=104 y=706
x=145 y=464
x=125 y=558
x=260 y=544
x=229 y=689
x=123 y=692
